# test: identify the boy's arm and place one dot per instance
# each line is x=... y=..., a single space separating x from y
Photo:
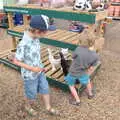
x=93 y=64
x=74 y=54
x=23 y=65
x=90 y=70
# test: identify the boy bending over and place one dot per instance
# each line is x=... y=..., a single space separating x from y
x=82 y=66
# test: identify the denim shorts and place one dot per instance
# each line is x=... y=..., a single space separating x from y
x=33 y=87
x=83 y=79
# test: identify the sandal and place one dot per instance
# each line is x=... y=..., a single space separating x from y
x=31 y=111
x=75 y=103
x=53 y=112
x=91 y=96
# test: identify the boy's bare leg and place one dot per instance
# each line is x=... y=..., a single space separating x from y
x=29 y=103
x=74 y=93
x=89 y=88
x=46 y=99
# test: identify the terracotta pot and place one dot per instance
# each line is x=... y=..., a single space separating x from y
x=117 y=0
x=117 y=11
x=2 y=15
x=111 y=11
x=112 y=0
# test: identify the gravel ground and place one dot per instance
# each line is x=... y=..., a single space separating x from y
x=113 y=37
x=105 y=106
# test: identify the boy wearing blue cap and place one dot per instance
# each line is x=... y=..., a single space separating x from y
x=32 y=70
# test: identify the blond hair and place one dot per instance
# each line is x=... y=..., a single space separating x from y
x=87 y=38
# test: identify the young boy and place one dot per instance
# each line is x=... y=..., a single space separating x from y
x=32 y=70
x=80 y=69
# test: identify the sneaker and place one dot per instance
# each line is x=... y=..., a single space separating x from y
x=75 y=103
x=91 y=97
x=53 y=112
x=30 y=111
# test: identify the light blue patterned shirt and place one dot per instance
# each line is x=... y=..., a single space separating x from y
x=28 y=51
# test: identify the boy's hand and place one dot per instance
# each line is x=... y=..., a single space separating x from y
x=43 y=70
x=38 y=69
x=33 y=69
x=90 y=70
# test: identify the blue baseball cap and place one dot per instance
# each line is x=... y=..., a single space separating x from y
x=40 y=22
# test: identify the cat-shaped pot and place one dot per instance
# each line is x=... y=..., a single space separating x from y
x=22 y=2
x=82 y=5
x=54 y=60
x=65 y=52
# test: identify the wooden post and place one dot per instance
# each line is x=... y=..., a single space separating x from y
x=14 y=42
x=10 y=21
x=11 y=26
x=25 y=21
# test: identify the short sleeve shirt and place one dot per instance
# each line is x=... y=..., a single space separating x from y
x=28 y=52
x=83 y=58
